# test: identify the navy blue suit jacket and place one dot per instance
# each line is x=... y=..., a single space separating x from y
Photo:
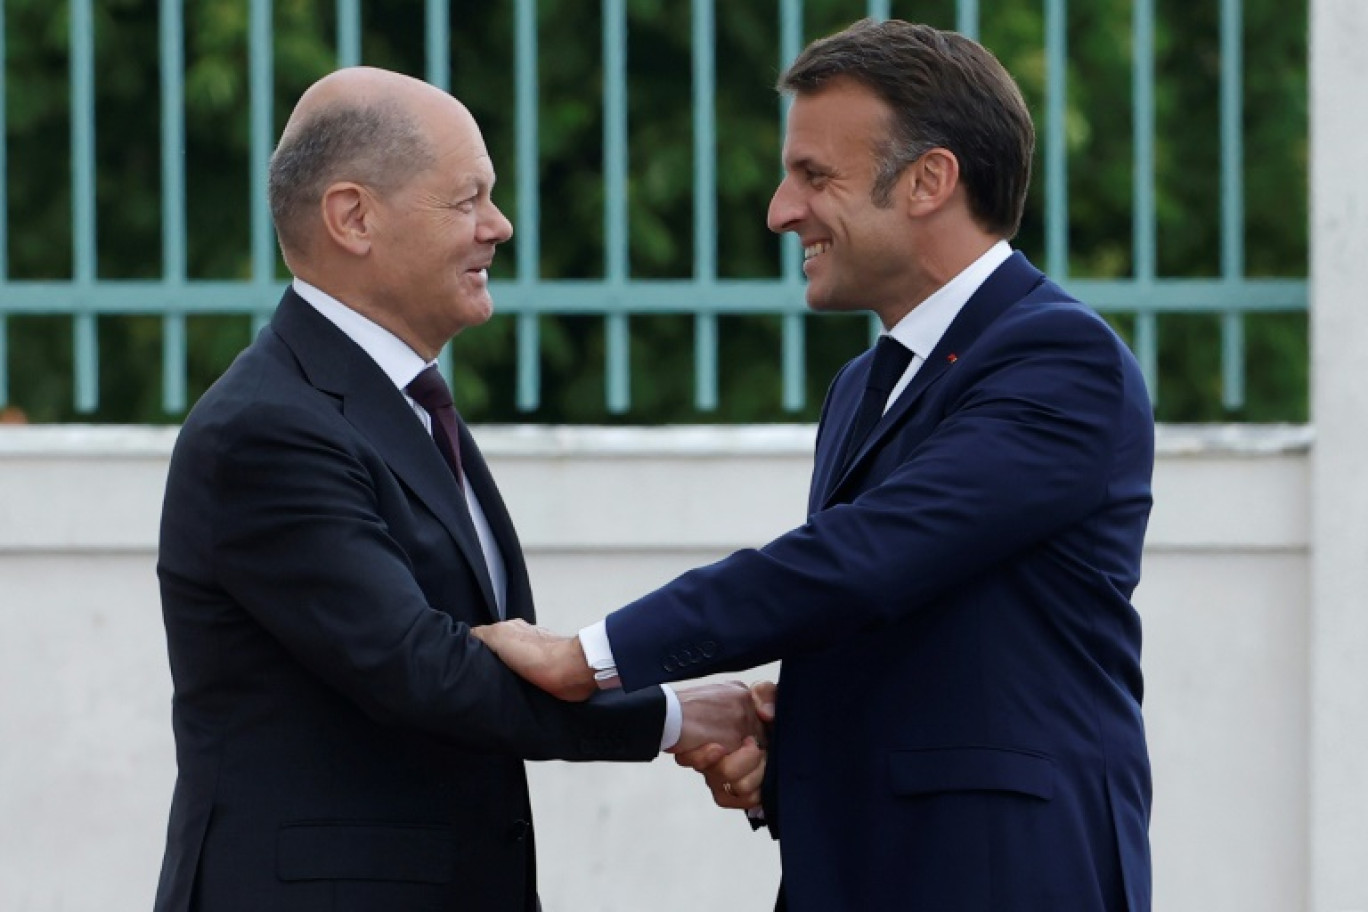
x=959 y=720
x=343 y=742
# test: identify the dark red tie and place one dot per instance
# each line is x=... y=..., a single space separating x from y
x=891 y=358
x=429 y=389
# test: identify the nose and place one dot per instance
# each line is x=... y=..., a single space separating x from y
x=784 y=208
x=496 y=228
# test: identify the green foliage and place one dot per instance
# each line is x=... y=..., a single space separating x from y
x=570 y=78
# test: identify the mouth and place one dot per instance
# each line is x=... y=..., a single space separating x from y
x=815 y=250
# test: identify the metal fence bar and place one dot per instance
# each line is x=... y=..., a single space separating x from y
x=1232 y=200
x=616 y=343
x=794 y=325
x=649 y=296
x=1144 y=218
x=348 y=33
x=172 y=35
x=261 y=81
x=1232 y=359
x=83 y=226
x=1147 y=350
x=437 y=44
x=529 y=200
x=877 y=9
x=1056 y=173
x=704 y=200
x=437 y=72
x=967 y=18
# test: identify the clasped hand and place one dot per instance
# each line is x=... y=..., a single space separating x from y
x=725 y=725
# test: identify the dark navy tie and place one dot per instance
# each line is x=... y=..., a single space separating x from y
x=891 y=358
x=429 y=389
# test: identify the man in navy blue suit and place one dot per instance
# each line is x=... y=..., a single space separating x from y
x=958 y=710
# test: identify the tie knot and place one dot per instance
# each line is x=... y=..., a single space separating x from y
x=891 y=358
x=429 y=389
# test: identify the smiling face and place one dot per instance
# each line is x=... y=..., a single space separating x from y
x=856 y=255
x=436 y=234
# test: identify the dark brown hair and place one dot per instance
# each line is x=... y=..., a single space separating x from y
x=945 y=91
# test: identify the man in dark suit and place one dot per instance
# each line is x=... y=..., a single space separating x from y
x=331 y=533
x=959 y=721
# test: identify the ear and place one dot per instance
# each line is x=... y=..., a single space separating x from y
x=934 y=178
x=348 y=211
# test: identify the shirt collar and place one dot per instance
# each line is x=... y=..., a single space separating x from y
x=921 y=329
x=399 y=362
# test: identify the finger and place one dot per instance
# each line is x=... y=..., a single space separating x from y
x=750 y=783
x=735 y=799
x=701 y=758
x=738 y=765
x=742 y=771
x=741 y=761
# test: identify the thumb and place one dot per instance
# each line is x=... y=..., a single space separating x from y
x=763 y=697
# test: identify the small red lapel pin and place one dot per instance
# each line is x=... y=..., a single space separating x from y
x=952 y=357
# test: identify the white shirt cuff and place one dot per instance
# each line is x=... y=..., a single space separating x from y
x=598 y=652
x=674 y=719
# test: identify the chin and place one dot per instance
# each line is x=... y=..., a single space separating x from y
x=822 y=303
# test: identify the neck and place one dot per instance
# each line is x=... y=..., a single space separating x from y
x=942 y=257
x=354 y=295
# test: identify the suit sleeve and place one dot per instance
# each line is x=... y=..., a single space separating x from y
x=1023 y=450
x=299 y=541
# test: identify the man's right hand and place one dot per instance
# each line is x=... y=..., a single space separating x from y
x=735 y=776
x=717 y=714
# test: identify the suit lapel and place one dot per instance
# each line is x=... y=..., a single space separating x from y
x=1009 y=283
x=335 y=364
x=518 y=594
x=837 y=416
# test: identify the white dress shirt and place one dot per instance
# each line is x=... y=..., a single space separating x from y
x=401 y=364
x=921 y=330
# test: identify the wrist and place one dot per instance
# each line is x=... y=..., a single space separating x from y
x=577 y=677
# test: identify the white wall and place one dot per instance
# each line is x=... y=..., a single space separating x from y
x=1339 y=491
x=86 y=761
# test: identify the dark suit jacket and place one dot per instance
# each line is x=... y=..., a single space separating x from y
x=959 y=718
x=343 y=742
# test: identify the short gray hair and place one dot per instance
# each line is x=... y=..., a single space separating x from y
x=378 y=145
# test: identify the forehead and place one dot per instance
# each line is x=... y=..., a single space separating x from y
x=459 y=149
x=841 y=121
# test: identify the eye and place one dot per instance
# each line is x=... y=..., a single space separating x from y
x=816 y=179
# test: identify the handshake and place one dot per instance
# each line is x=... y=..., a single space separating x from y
x=725 y=726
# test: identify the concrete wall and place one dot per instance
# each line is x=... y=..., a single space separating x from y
x=1339 y=483
x=86 y=762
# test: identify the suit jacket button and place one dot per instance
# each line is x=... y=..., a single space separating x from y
x=709 y=649
x=519 y=830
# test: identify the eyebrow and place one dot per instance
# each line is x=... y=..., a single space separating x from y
x=807 y=163
x=474 y=183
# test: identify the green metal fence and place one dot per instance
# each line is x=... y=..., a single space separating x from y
x=617 y=296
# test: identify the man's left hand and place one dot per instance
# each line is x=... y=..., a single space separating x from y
x=552 y=662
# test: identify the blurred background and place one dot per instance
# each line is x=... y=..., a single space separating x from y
x=637 y=143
